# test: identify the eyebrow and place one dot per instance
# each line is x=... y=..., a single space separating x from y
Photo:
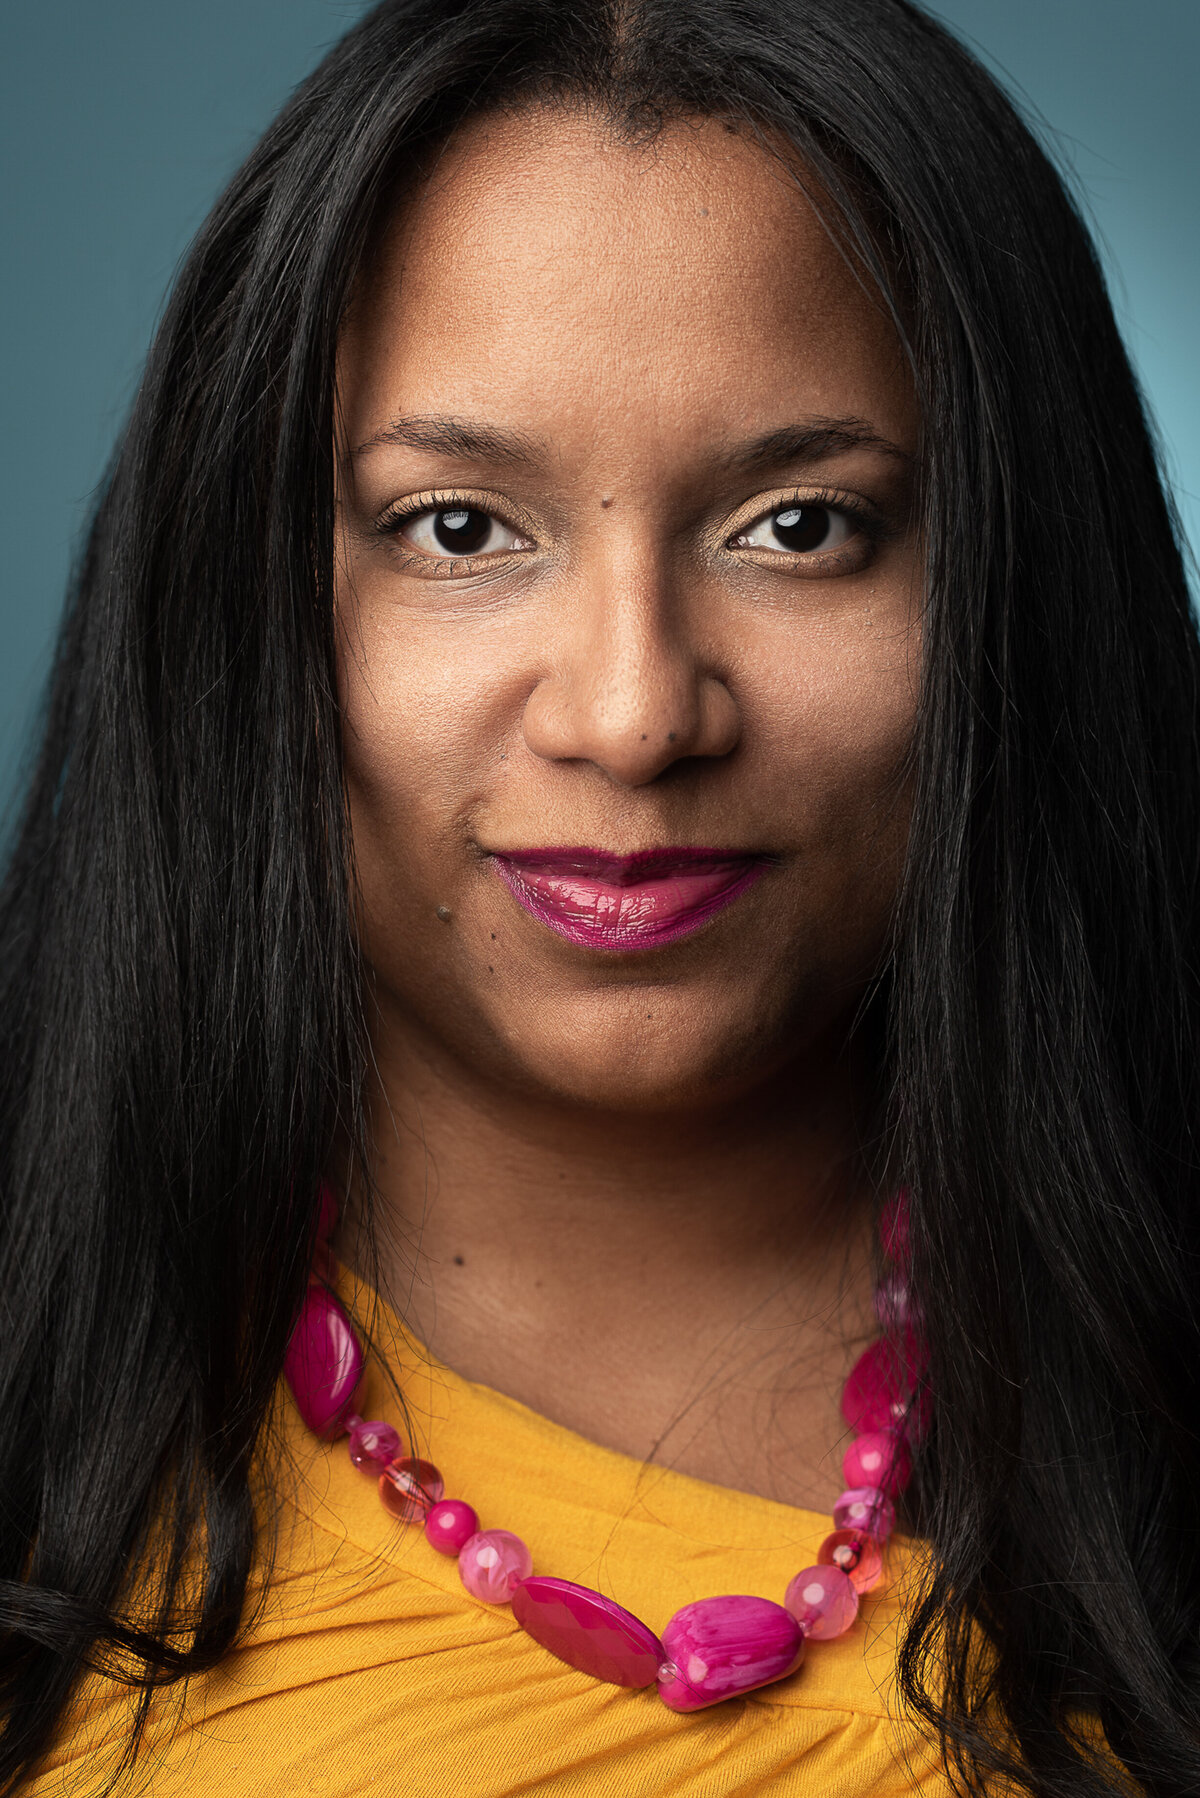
x=818 y=440
x=466 y=442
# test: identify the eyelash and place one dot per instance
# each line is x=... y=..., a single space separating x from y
x=864 y=519
x=390 y=522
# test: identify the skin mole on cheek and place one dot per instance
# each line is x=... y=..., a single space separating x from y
x=458 y=1261
x=443 y=912
x=606 y=502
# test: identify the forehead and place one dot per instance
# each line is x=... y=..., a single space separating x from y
x=545 y=260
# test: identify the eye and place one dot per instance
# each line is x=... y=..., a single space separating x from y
x=456 y=531
x=802 y=529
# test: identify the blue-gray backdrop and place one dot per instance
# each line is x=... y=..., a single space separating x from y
x=121 y=119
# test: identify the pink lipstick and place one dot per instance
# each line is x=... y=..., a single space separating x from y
x=627 y=902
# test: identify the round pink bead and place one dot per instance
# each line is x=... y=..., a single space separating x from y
x=373 y=1445
x=449 y=1524
x=857 y=1556
x=865 y=1508
x=878 y=1458
x=409 y=1488
x=492 y=1565
x=823 y=1602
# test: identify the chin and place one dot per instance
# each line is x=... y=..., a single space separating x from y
x=648 y=1066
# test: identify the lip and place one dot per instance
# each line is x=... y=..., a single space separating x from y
x=625 y=903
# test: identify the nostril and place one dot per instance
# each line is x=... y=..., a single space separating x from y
x=631 y=722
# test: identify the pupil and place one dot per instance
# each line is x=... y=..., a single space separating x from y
x=802 y=527
x=461 y=531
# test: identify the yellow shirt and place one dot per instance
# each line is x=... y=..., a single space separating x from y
x=370 y=1669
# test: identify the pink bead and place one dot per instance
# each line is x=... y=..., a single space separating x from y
x=588 y=1631
x=857 y=1556
x=409 y=1488
x=865 y=1508
x=324 y=1362
x=894 y=1228
x=878 y=1391
x=893 y=1305
x=449 y=1524
x=823 y=1602
x=719 y=1647
x=373 y=1445
x=877 y=1459
x=493 y=1564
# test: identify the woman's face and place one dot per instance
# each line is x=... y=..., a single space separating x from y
x=628 y=574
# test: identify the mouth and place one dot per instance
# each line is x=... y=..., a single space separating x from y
x=627 y=902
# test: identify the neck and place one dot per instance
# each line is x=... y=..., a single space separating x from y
x=688 y=1287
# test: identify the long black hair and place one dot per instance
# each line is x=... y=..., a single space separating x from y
x=182 y=1030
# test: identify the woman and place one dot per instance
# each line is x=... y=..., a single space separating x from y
x=630 y=709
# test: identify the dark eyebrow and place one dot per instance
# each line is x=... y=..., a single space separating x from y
x=465 y=442
x=816 y=441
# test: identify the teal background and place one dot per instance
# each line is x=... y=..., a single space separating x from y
x=120 y=120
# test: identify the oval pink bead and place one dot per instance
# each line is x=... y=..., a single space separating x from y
x=449 y=1524
x=877 y=1459
x=588 y=1631
x=719 y=1647
x=324 y=1363
x=858 y=1557
x=878 y=1390
x=408 y=1488
x=493 y=1564
x=373 y=1445
x=865 y=1508
x=823 y=1601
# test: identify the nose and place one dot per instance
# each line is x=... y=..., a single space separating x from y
x=626 y=686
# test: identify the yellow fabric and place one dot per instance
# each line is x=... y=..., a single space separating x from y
x=371 y=1670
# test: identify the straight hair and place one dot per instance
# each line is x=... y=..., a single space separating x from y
x=183 y=1031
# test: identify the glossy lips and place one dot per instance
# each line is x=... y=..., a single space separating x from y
x=627 y=902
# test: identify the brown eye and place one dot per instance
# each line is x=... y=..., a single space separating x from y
x=457 y=531
x=802 y=529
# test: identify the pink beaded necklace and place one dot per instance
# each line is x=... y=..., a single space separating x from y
x=714 y=1648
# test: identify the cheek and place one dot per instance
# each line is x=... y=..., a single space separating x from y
x=423 y=734
x=839 y=706
x=840 y=726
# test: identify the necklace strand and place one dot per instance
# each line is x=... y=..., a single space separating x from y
x=714 y=1648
